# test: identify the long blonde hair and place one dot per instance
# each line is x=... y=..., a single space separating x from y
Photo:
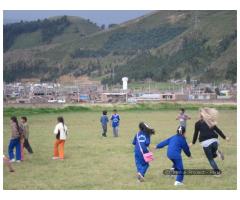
x=209 y=115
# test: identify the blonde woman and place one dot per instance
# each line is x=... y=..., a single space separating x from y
x=206 y=131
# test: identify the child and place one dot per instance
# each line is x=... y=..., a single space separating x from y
x=104 y=120
x=25 y=128
x=61 y=135
x=176 y=144
x=182 y=117
x=8 y=163
x=115 y=123
x=142 y=138
x=14 y=141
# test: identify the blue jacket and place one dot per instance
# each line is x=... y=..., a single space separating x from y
x=115 y=120
x=144 y=141
x=104 y=119
x=176 y=144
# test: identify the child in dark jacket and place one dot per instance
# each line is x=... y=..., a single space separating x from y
x=176 y=144
x=142 y=138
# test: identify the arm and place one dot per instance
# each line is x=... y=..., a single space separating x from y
x=177 y=118
x=195 y=135
x=163 y=144
x=56 y=130
x=134 y=140
x=185 y=148
x=219 y=132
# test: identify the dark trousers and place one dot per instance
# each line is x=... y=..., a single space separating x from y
x=27 y=146
x=104 y=127
x=211 y=153
x=14 y=143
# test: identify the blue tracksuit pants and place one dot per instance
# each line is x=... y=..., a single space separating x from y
x=178 y=166
x=141 y=165
x=14 y=143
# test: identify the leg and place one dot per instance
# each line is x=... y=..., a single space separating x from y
x=18 y=150
x=27 y=146
x=141 y=165
x=209 y=154
x=55 y=153
x=9 y=165
x=117 y=131
x=114 y=131
x=61 y=149
x=10 y=149
x=214 y=149
x=22 y=148
x=104 y=127
x=180 y=169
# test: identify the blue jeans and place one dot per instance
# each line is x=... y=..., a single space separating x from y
x=14 y=143
x=141 y=165
x=211 y=153
x=178 y=166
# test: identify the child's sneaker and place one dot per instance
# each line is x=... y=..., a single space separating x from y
x=140 y=177
x=177 y=183
x=13 y=160
x=55 y=158
x=220 y=154
x=18 y=161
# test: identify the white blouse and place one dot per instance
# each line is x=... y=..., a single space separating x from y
x=62 y=129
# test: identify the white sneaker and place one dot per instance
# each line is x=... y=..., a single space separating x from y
x=177 y=183
x=140 y=177
x=55 y=158
x=13 y=160
x=18 y=161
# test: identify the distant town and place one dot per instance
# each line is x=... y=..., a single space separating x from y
x=56 y=93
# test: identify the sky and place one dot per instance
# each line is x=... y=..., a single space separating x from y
x=97 y=16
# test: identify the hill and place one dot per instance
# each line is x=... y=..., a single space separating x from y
x=161 y=45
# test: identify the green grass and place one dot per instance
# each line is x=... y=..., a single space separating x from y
x=10 y=111
x=93 y=162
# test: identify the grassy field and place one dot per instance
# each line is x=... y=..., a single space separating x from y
x=93 y=162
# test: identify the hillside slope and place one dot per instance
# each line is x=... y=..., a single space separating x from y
x=161 y=45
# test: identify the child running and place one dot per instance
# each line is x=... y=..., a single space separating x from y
x=141 y=142
x=25 y=128
x=115 y=123
x=104 y=120
x=182 y=117
x=61 y=135
x=176 y=144
x=14 y=141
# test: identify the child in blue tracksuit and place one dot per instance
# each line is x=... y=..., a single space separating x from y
x=115 y=123
x=142 y=138
x=104 y=120
x=176 y=144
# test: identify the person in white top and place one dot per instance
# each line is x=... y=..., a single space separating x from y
x=61 y=133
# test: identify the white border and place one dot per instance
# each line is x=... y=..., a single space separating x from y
x=115 y=5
